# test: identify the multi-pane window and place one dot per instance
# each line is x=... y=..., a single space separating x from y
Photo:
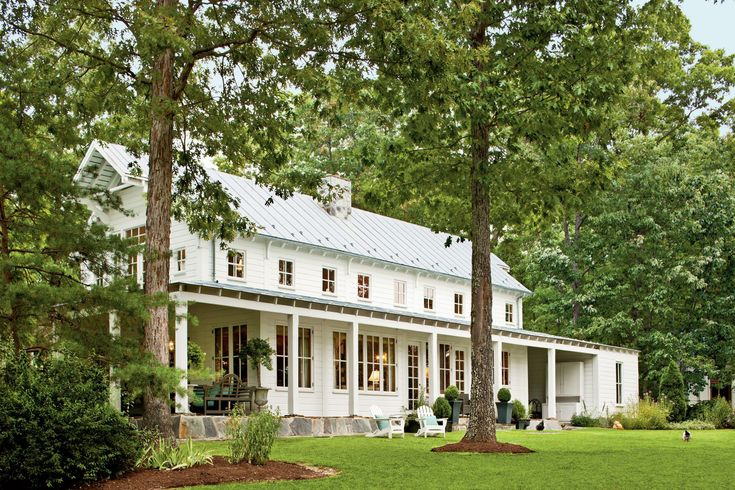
x=458 y=304
x=445 y=367
x=285 y=272
x=429 y=293
x=363 y=286
x=306 y=357
x=221 y=350
x=181 y=260
x=339 y=342
x=413 y=376
x=136 y=261
x=236 y=264
x=399 y=293
x=377 y=363
x=618 y=383
x=508 y=312
x=505 y=369
x=281 y=356
x=459 y=370
x=239 y=361
x=329 y=284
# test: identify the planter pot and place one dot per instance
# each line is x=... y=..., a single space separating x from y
x=412 y=426
x=522 y=424
x=456 y=410
x=261 y=397
x=505 y=411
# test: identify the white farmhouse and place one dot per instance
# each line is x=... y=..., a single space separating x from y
x=361 y=309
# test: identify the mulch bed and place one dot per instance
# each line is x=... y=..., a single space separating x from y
x=220 y=472
x=482 y=447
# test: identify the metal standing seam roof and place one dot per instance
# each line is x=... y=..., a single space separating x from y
x=302 y=219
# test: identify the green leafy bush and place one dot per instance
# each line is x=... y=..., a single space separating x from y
x=57 y=428
x=672 y=388
x=235 y=429
x=519 y=410
x=259 y=352
x=585 y=419
x=503 y=395
x=692 y=425
x=195 y=355
x=718 y=413
x=647 y=414
x=260 y=434
x=451 y=393
x=441 y=408
x=164 y=454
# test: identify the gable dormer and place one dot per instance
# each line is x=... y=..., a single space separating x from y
x=110 y=167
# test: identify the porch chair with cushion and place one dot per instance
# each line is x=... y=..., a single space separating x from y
x=387 y=425
x=429 y=424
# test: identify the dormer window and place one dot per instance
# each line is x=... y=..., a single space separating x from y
x=508 y=312
x=236 y=264
x=285 y=273
x=363 y=286
x=429 y=293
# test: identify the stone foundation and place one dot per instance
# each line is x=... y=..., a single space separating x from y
x=213 y=426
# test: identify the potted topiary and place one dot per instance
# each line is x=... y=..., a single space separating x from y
x=259 y=352
x=442 y=410
x=503 y=407
x=519 y=415
x=452 y=396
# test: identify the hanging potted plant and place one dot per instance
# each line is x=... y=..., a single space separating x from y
x=503 y=407
x=259 y=353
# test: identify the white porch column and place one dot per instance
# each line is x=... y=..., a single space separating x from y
x=293 y=363
x=497 y=367
x=115 y=395
x=595 y=402
x=433 y=367
x=181 y=338
x=551 y=384
x=352 y=368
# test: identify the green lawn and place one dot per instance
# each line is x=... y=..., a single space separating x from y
x=589 y=458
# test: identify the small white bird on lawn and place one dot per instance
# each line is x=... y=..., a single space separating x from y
x=686 y=436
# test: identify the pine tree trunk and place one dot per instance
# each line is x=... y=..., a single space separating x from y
x=7 y=273
x=481 y=426
x=157 y=411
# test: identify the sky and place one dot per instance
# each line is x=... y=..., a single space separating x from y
x=712 y=24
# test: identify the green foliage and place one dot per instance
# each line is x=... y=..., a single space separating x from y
x=585 y=420
x=504 y=395
x=260 y=434
x=451 y=393
x=441 y=408
x=57 y=428
x=167 y=454
x=719 y=413
x=519 y=410
x=692 y=425
x=672 y=389
x=647 y=414
x=422 y=397
x=195 y=355
x=237 y=434
x=259 y=353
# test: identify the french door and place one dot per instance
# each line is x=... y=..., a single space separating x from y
x=413 y=376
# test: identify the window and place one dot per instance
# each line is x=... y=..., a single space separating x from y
x=445 y=367
x=239 y=362
x=413 y=376
x=339 y=341
x=399 y=293
x=459 y=370
x=458 y=304
x=285 y=273
x=377 y=363
x=221 y=350
x=508 y=312
x=363 y=286
x=181 y=260
x=505 y=369
x=429 y=297
x=305 y=357
x=619 y=383
x=281 y=356
x=329 y=284
x=236 y=264
x=136 y=262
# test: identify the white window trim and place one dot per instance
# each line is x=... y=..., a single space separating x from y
x=181 y=272
x=502 y=369
x=381 y=365
x=334 y=361
x=327 y=293
x=619 y=403
x=512 y=314
x=369 y=299
x=454 y=304
x=433 y=298
x=244 y=265
x=405 y=293
x=293 y=274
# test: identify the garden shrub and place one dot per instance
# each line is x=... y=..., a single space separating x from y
x=519 y=410
x=585 y=419
x=441 y=408
x=57 y=428
x=692 y=425
x=672 y=388
x=718 y=413
x=647 y=414
x=235 y=429
x=260 y=434
x=503 y=395
x=451 y=393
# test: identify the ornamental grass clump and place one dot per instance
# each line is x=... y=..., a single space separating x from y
x=168 y=455
x=235 y=429
x=647 y=414
x=260 y=434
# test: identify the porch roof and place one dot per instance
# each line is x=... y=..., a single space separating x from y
x=370 y=311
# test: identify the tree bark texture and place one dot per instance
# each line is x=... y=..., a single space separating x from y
x=7 y=273
x=157 y=411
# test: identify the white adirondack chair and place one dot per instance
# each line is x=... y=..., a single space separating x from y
x=387 y=426
x=429 y=424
